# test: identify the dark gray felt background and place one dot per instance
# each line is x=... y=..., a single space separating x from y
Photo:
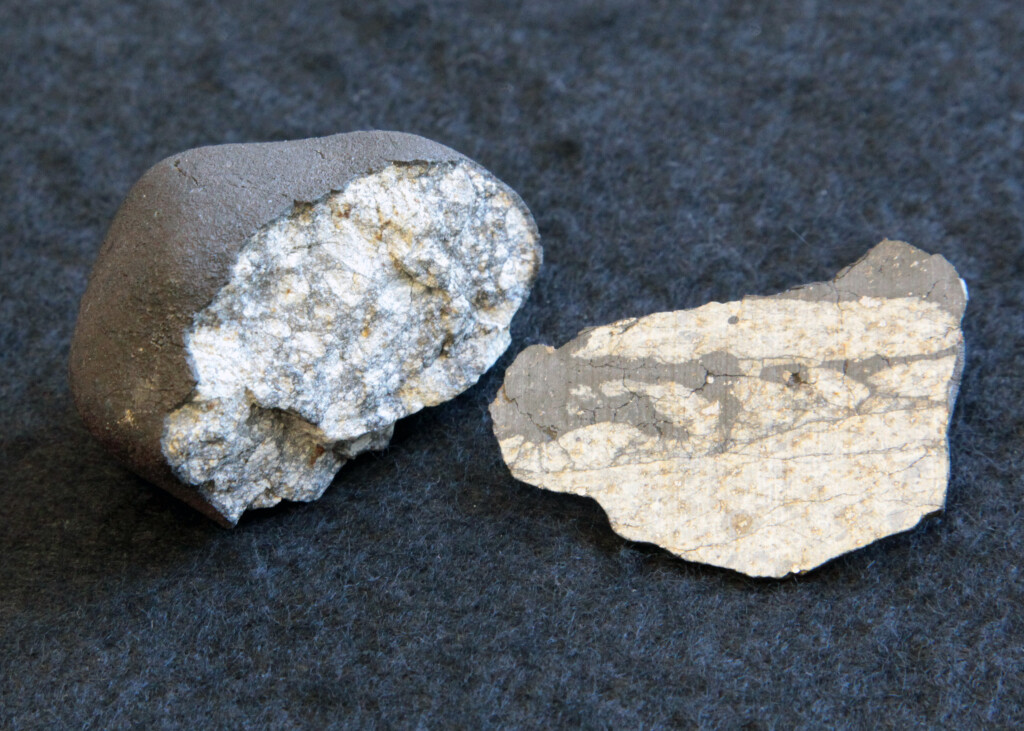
x=673 y=153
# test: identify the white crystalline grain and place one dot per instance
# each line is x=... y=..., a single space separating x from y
x=342 y=317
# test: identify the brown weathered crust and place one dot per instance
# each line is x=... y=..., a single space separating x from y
x=169 y=250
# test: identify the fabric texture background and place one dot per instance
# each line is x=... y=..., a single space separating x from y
x=673 y=153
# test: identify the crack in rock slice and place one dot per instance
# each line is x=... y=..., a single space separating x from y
x=766 y=435
x=341 y=317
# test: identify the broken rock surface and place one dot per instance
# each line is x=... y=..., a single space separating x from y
x=765 y=435
x=261 y=313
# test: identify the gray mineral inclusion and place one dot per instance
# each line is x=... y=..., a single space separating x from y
x=766 y=435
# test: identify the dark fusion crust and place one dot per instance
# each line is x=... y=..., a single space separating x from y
x=168 y=252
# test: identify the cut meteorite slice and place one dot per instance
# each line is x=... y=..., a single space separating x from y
x=766 y=435
x=261 y=313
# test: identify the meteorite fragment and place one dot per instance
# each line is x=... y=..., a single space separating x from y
x=766 y=435
x=261 y=313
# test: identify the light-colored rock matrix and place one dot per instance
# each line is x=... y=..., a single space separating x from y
x=766 y=435
x=342 y=317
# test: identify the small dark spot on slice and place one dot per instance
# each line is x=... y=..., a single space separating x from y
x=550 y=431
x=733 y=320
x=795 y=379
x=318 y=452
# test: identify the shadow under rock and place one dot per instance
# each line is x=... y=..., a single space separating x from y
x=73 y=517
x=77 y=527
